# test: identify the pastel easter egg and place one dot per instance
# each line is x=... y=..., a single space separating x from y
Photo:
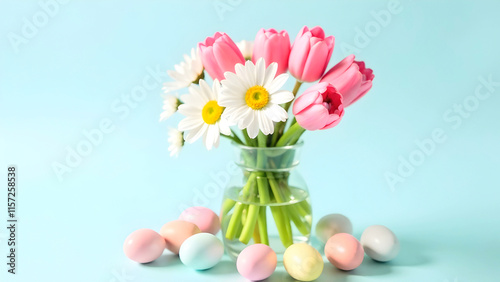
x=303 y=262
x=144 y=245
x=332 y=224
x=256 y=262
x=204 y=218
x=380 y=243
x=176 y=232
x=201 y=251
x=344 y=251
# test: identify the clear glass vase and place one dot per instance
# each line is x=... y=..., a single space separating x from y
x=267 y=202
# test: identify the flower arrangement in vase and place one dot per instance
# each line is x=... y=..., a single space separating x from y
x=268 y=202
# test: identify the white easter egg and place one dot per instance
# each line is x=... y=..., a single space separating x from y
x=332 y=224
x=201 y=251
x=380 y=243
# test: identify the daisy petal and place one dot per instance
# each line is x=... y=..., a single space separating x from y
x=253 y=128
x=189 y=110
x=189 y=123
x=281 y=97
x=206 y=90
x=250 y=72
x=270 y=74
x=246 y=118
x=266 y=125
x=241 y=76
x=276 y=113
x=194 y=135
x=260 y=72
x=209 y=137
x=224 y=127
x=277 y=83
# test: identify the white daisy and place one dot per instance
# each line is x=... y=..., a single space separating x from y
x=185 y=73
x=170 y=105
x=252 y=97
x=246 y=48
x=176 y=141
x=203 y=114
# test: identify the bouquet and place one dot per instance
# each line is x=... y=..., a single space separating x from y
x=245 y=103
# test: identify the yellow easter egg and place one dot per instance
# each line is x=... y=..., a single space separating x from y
x=303 y=262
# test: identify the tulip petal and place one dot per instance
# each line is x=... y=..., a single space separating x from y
x=211 y=66
x=338 y=69
x=314 y=119
x=305 y=100
x=349 y=84
x=234 y=48
x=225 y=56
x=365 y=87
x=298 y=56
x=317 y=31
x=316 y=62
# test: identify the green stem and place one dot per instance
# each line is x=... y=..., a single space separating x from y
x=201 y=76
x=227 y=206
x=233 y=138
x=262 y=223
x=294 y=131
x=281 y=225
x=262 y=140
x=235 y=220
x=237 y=137
x=256 y=231
x=280 y=126
x=249 y=141
x=251 y=220
x=294 y=120
x=280 y=213
x=288 y=227
x=294 y=91
x=276 y=133
x=299 y=221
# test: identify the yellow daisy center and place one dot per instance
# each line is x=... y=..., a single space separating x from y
x=211 y=112
x=257 y=97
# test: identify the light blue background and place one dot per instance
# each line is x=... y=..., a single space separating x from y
x=65 y=79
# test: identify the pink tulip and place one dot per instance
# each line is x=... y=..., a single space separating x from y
x=319 y=107
x=273 y=46
x=310 y=54
x=351 y=78
x=219 y=54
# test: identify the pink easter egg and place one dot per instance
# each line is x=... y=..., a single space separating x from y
x=257 y=262
x=144 y=245
x=204 y=218
x=344 y=251
x=176 y=232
